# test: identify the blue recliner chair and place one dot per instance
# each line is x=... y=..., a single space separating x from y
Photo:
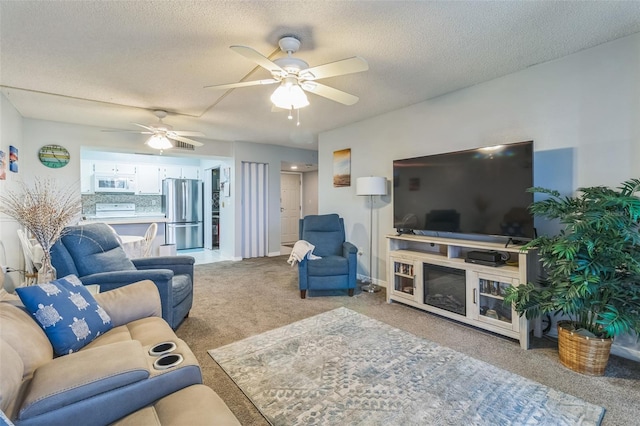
x=336 y=270
x=92 y=253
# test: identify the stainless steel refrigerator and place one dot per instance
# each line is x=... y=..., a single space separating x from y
x=182 y=205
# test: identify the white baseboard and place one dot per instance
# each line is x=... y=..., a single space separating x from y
x=625 y=352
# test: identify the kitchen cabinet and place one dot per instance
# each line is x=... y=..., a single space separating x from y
x=171 y=172
x=149 y=179
x=108 y=167
x=86 y=176
x=190 y=172
x=181 y=172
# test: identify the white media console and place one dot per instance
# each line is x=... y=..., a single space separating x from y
x=430 y=273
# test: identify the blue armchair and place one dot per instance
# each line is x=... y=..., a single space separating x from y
x=92 y=253
x=336 y=270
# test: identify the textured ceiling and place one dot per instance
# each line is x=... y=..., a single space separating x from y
x=110 y=63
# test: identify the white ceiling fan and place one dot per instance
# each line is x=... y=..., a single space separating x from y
x=295 y=76
x=162 y=134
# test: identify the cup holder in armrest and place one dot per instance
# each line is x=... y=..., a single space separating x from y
x=162 y=348
x=167 y=361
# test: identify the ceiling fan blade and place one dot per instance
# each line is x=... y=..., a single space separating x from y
x=126 y=131
x=185 y=140
x=332 y=69
x=242 y=84
x=259 y=59
x=329 y=93
x=185 y=133
x=151 y=129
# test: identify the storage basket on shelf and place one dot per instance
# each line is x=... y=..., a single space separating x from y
x=586 y=355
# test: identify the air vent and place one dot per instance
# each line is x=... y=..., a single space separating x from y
x=182 y=145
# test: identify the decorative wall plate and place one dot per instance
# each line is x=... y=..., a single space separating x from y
x=54 y=156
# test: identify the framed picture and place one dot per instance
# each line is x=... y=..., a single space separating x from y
x=342 y=168
x=13 y=159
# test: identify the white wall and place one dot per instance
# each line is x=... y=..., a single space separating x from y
x=10 y=134
x=310 y=193
x=76 y=138
x=589 y=102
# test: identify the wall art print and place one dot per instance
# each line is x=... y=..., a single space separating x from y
x=13 y=159
x=342 y=168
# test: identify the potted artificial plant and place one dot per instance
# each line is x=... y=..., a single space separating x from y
x=591 y=272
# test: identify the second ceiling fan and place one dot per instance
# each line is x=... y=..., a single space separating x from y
x=295 y=76
x=161 y=134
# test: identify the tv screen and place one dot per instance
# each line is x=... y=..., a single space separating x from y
x=480 y=191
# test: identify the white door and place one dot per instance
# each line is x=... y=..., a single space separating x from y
x=290 y=207
x=255 y=219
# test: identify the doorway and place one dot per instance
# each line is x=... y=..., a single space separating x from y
x=290 y=206
x=211 y=203
x=215 y=208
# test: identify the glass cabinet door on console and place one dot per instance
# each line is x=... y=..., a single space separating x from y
x=489 y=300
x=404 y=279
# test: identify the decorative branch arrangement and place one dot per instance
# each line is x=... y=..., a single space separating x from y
x=44 y=209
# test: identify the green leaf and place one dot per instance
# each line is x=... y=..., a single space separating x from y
x=591 y=267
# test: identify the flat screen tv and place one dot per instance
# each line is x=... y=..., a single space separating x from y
x=481 y=192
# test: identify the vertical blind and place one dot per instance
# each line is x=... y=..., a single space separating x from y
x=254 y=209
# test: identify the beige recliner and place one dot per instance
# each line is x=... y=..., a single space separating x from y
x=113 y=379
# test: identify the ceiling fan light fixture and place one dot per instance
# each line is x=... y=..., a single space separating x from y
x=289 y=95
x=159 y=142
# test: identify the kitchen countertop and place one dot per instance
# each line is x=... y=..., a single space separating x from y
x=124 y=220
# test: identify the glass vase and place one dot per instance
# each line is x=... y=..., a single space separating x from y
x=46 y=272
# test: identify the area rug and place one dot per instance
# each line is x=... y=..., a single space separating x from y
x=344 y=368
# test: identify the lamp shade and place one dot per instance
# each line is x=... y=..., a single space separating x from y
x=371 y=185
x=159 y=142
x=289 y=95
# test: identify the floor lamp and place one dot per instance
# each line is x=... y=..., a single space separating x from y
x=371 y=185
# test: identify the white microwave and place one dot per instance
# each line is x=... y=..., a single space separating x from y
x=124 y=184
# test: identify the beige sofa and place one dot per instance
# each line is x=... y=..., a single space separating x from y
x=113 y=379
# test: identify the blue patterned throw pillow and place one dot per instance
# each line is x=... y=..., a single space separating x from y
x=67 y=312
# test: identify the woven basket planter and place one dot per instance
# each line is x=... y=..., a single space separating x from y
x=586 y=355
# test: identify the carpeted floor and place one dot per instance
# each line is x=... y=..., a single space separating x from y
x=235 y=300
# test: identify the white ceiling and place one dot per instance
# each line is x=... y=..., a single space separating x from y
x=110 y=63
